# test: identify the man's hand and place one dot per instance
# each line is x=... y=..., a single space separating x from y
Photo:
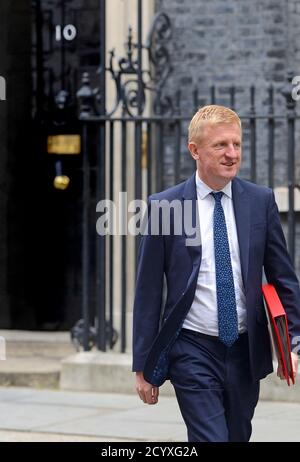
x=294 y=357
x=147 y=392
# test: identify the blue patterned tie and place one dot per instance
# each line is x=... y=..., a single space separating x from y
x=227 y=314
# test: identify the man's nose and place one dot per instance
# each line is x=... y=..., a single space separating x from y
x=231 y=151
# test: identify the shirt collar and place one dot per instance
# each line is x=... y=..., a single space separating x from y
x=203 y=190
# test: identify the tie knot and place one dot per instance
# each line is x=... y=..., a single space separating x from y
x=217 y=195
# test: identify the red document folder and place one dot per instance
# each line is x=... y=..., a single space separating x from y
x=278 y=328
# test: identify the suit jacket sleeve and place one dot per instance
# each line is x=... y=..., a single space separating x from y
x=279 y=269
x=148 y=294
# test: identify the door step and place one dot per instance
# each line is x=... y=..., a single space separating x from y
x=30 y=372
x=33 y=359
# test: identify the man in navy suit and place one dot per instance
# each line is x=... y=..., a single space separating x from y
x=211 y=337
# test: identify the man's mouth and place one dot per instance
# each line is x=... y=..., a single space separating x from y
x=228 y=164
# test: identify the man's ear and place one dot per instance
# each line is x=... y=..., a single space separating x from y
x=193 y=150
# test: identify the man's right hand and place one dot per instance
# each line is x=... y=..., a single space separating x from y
x=147 y=392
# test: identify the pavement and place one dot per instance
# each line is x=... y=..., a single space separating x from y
x=35 y=415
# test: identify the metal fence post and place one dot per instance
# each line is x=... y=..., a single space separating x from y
x=286 y=91
x=81 y=332
x=100 y=190
x=271 y=132
x=252 y=134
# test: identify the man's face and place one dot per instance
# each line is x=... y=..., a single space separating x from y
x=218 y=153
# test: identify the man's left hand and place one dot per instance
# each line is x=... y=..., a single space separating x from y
x=294 y=357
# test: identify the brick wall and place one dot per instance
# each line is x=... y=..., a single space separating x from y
x=239 y=42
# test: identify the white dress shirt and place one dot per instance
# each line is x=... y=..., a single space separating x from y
x=203 y=314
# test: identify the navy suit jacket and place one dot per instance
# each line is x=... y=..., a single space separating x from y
x=262 y=246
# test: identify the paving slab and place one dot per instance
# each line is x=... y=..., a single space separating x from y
x=79 y=399
x=47 y=415
x=122 y=429
x=29 y=416
x=276 y=422
x=7 y=436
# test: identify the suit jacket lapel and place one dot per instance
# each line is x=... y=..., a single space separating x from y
x=190 y=205
x=241 y=207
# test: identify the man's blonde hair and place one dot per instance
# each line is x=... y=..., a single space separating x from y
x=212 y=114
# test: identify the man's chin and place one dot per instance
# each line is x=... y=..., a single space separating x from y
x=230 y=175
x=231 y=172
